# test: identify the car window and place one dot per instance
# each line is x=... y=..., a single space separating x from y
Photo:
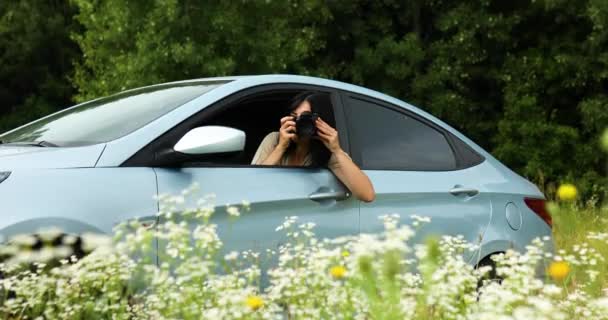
x=258 y=115
x=385 y=139
x=109 y=118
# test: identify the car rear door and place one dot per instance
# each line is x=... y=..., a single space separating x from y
x=417 y=169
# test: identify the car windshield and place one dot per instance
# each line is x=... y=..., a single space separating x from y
x=108 y=118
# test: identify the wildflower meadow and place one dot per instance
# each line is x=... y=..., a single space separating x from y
x=367 y=276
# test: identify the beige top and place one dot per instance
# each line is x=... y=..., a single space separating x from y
x=270 y=142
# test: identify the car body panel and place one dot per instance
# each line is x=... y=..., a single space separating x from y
x=91 y=199
x=29 y=157
x=480 y=219
x=500 y=237
x=426 y=194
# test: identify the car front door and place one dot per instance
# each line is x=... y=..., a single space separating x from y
x=415 y=170
x=273 y=193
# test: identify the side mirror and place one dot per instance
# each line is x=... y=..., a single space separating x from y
x=211 y=139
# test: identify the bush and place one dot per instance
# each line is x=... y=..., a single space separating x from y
x=380 y=276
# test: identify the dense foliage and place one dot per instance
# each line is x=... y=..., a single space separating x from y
x=36 y=56
x=527 y=80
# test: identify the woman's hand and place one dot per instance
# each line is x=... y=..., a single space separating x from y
x=286 y=132
x=328 y=135
x=286 y=135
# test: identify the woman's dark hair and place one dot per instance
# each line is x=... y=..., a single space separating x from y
x=320 y=103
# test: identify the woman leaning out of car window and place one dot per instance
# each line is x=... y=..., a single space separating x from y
x=304 y=139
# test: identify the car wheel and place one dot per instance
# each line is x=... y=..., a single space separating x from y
x=491 y=276
x=34 y=244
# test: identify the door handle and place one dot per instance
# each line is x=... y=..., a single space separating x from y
x=334 y=195
x=148 y=223
x=458 y=190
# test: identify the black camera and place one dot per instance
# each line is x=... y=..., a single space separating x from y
x=305 y=124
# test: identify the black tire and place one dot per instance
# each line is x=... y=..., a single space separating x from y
x=77 y=251
x=490 y=276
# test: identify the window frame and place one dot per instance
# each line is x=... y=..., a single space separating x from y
x=146 y=156
x=455 y=144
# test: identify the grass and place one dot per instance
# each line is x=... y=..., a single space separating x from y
x=572 y=226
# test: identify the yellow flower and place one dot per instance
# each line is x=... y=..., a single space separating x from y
x=254 y=302
x=345 y=253
x=337 y=272
x=558 y=270
x=567 y=192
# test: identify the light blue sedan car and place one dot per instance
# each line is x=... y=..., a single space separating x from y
x=96 y=164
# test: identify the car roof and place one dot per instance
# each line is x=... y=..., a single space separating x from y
x=290 y=78
x=298 y=79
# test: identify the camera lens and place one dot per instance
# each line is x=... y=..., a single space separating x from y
x=305 y=125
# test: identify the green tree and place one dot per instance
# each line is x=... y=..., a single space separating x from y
x=36 y=56
x=134 y=43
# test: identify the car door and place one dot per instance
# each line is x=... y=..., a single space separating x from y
x=273 y=192
x=416 y=169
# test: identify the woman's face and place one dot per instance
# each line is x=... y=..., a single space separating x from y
x=303 y=107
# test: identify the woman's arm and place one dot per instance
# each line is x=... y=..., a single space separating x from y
x=343 y=167
x=270 y=150
x=355 y=180
x=274 y=158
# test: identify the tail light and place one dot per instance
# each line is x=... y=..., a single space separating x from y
x=538 y=206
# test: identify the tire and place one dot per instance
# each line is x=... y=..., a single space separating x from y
x=490 y=276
